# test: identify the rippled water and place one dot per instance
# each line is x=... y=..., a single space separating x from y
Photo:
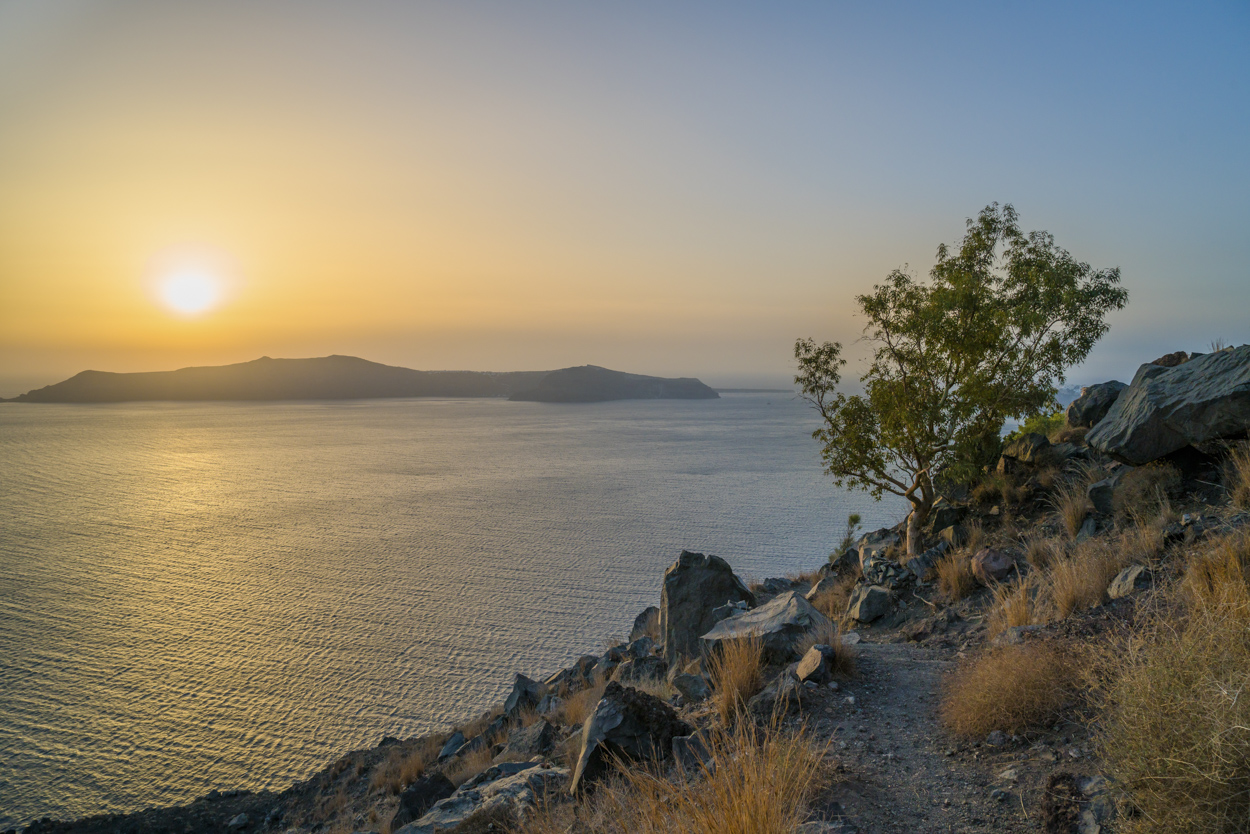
x=199 y=596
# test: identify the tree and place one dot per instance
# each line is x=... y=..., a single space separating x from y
x=988 y=338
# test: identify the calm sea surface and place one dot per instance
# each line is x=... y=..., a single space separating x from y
x=199 y=596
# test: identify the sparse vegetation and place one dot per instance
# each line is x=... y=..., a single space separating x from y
x=849 y=535
x=1017 y=603
x=737 y=673
x=1238 y=475
x=1011 y=689
x=832 y=602
x=577 y=707
x=1044 y=423
x=1080 y=580
x=1041 y=552
x=1073 y=506
x=1143 y=493
x=831 y=636
x=402 y=768
x=955 y=579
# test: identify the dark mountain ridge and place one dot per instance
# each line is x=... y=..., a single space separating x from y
x=349 y=378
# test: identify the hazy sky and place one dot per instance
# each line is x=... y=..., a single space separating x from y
x=669 y=188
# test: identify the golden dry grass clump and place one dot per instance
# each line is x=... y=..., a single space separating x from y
x=1017 y=603
x=1010 y=689
x=1072 y=504
x=832 y=602
x=1080 y=581
x=403 y=767
x=831 y=635
x=999 y=488
x=1143 y=493
x=576 y=708
x=756 y=782
x=737 y=673
x=1238 y=476
x=1041 y=552
x=1177 y=719
x=955 y=579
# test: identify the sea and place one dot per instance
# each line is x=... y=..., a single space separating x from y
x=199 y=596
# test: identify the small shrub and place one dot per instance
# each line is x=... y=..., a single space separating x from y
x=1238 y=476
x=998 y=488
x=1015 y=604
x=1011 y=689
x=737 y=673
x=831 y=636
x=1045 y=424
x=1072 y=504
x=1219 y=577
x=1041 y=552
x=1080 y=581
x=955 y=579
x=1143 y=493
x=849 y=535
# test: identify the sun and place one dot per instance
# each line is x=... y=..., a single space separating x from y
x=190 y=291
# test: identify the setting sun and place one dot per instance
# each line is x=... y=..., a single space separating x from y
x=190 y=291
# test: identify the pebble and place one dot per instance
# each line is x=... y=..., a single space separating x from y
x=999 y=794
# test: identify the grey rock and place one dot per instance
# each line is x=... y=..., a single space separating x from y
x=1032 y=448
x=549 y=704
x=694 y=586
x=1094 y=403
x=823 y=585
x=851 y=638
x=879 y=570
x=691 y=752
x=1166 y=409
x=775 y=585
x=876 y=543
x=817 y=665
x=525 y=695
x=641 y=669
x=452 y=746
x=642 y=647
x=1128 y=581
x=990 y=565
x=629 y=724
x=693 y=688
x=996 y=738
x=779 y=697
x=868 y=603
x=646 y=624
x=515 y=789
x=955 y=535
x=537 y=739
x=418 y=797
x=1088 y=528
x=924 y=566
x=237 y=822
x=1102 y=494
x=780 y=624
x=942 y=515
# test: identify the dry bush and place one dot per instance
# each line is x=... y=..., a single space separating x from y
x=1010 y=689
x=757 y=782
x=403 y=767
x=1143 y=543
x=1072 y=504
x=577 y=707
x=1047 y=477
x=955 y=579
x=1041 y=552
x=1017 y=603
x=737 y=673
x=479 y=724
x=1177 y=720
x=1143 y=492
x=1237 y=477
x=1070 y=434
x=463 y=768
x=830 y=635
x=998 y=488
x=833 y=602
x=1080 y=581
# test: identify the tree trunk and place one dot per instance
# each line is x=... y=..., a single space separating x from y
x=921 y=498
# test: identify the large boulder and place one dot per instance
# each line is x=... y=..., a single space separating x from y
x=419 y=796
x=638 y=669
x=694 y=586
x=780 y=624
x=1029 y=448
x=505 y=789
x=1166 y=409
x=627 y=724
x=868 y=603
x=646 y=624
x=1094 y=403
x=535 y=740
x=991 y=566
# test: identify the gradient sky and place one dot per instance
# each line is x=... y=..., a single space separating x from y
x=678 y=189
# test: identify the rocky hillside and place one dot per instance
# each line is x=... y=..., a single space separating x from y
x=1067 y=654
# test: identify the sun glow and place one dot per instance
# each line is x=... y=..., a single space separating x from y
x=190 y=291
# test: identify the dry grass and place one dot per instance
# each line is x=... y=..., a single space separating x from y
x=1080 y=581
x=955 y=579
x=997 y=488
x=1143 y=493
x=831 y=635
x=736 y=671
x=1041 y=552
x=757 y=782
x=832 y=602
x=1069 y=434
x=1072 y=505
x=463 y=768
x=1238 y=476
x=401 y=768
x=1177 y=719
x=1010 y=689
x=578 y=706
x=1017 y=603
x=1142 y=543
x=479 y=724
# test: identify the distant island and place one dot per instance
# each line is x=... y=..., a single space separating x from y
x=351 y=378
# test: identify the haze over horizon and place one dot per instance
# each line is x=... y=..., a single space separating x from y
x=667 y=190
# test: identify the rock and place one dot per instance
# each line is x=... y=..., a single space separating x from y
x=942 y=515
x=525 y=695
x=824 y=585
x=868 y=603
x=418 y=797
x=924 y=566
x=817 y=665
x=775 y=585
x=996 y=738
x=641 y=669
x=691 y=752
x=876 y=543
x=1171 y=360
x=237 y=822
x=499 y=789
x=694 y=586
x=1088 y=528
x=878 y=570
x=574 y=677
x=955 y=535
x=629 y=724
x=1128 y=581
x=780 y=624
x=851 y=638
x=693 y=688
x=549 y=704
x=1032 y=448
x=779 y=697
x=646 y=624
x=1094 y=403
x=1166 y=409
x=535 y=740
x=642 y=647
x=452 y=746
x=1101 y=493
x=604 y=666
x=990 y=565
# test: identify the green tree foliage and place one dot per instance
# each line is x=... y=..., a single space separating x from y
x=986 y=339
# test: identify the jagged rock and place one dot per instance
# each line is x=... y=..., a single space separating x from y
x=955 y=535
x=817 y=665
x=237 y=822
x=646 y=624
x=1171 y=360
x=642 y=647
x=418 y=797
x=452 y=746
x=514 y=788
x=875 y=544
x=729 y=609
x=574 y=677
x=1102 y=493
x=780 y=696
x=868 y=603
x=641 y=669
x=924 y=566
x=694 y=586
x=535 y=740
x=1088 y=528
x=691 y=752
x=823 y=585
x=1031 y=448
x=628 y=724
x=1131 y=579
x=525 y=695
x=549 y=704
x=780 y=624
x=1166 y=409
x=693 y=688
x=1094 y=403
x=942 y=515
x=990 y=565
x=775 y=585
x=879 y=570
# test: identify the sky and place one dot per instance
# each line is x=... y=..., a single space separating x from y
x=657 y=187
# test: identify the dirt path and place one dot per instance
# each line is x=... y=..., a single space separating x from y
x=900 y=771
